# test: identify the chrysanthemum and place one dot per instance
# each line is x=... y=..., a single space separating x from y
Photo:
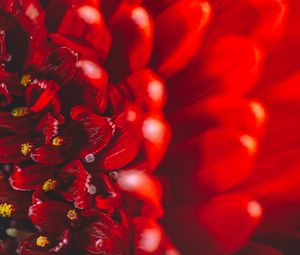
x=81 y=123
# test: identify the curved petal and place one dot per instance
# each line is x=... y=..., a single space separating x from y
x=43 y=215
x=179 y=31
x=132 y=32
x=30 y=178
x=97 y=132
x=52 y=244
x=85 y=24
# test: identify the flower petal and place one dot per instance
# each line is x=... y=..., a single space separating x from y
x=148 y=88
x=86 y=25
x=179 y=30
x=132 y=32
x=49 y=155
x=102 y=235
x=57 y=244
x=11 y=150
x=97 y=132
x=45 y=214
x=123 y=148
x=49 y=90
x=30 y=178
x=79 y=177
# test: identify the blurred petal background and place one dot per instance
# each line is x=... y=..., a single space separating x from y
x=233 y=164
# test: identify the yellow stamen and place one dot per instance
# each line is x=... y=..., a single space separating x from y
x=42 y=241
x=20 y=112
x=58 y=141
x=49 y=185
x=6 y=210
x=26 y=80
x=72 y=215
x=26 y=148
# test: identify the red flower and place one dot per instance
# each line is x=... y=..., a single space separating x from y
x=81 y=121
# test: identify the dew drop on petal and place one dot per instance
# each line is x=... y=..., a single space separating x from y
x=91 y=189
x=89 y=158
x=113 y=175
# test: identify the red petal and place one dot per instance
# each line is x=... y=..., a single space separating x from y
x=50 y=155
x=102 y=235
x=29 y=14
x=93 y=74
x=86 y=25
x=84 y=200
x=77 y=110
x=3 y=54
x=272 y=19
x=123 y=149
x=30 y=178
x=54 y=60
x=49 y=90
x=74 y=170
x=145 y=230
x=22 y=124
x=247 y=116
x=132 y=30
x=48 y=125
x=6 y=97
x=179 y=30
x=236 y=62
x=157 y=6
x=97 y=133
x=58 y=245
x=11 y=81
x=156 y=132
x=145 y=188
x=222 y=226
x=148 y=88
x=239 y=218
x=10 y=149
x=51 y=216
x=117 y=98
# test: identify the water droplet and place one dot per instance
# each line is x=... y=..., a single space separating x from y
x=89 y=158
x=113 y=175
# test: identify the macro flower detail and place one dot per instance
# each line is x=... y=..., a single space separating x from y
x=89 y=93
x=82 y=127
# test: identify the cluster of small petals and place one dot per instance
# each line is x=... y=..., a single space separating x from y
x=81 y=128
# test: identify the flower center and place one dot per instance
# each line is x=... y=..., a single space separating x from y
x=26 y=80
x=20 y=112
x=58 y=141
x=6 y=210
x=42 y=241
x=49 y=185
x=26 y=148
x=72 y=215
